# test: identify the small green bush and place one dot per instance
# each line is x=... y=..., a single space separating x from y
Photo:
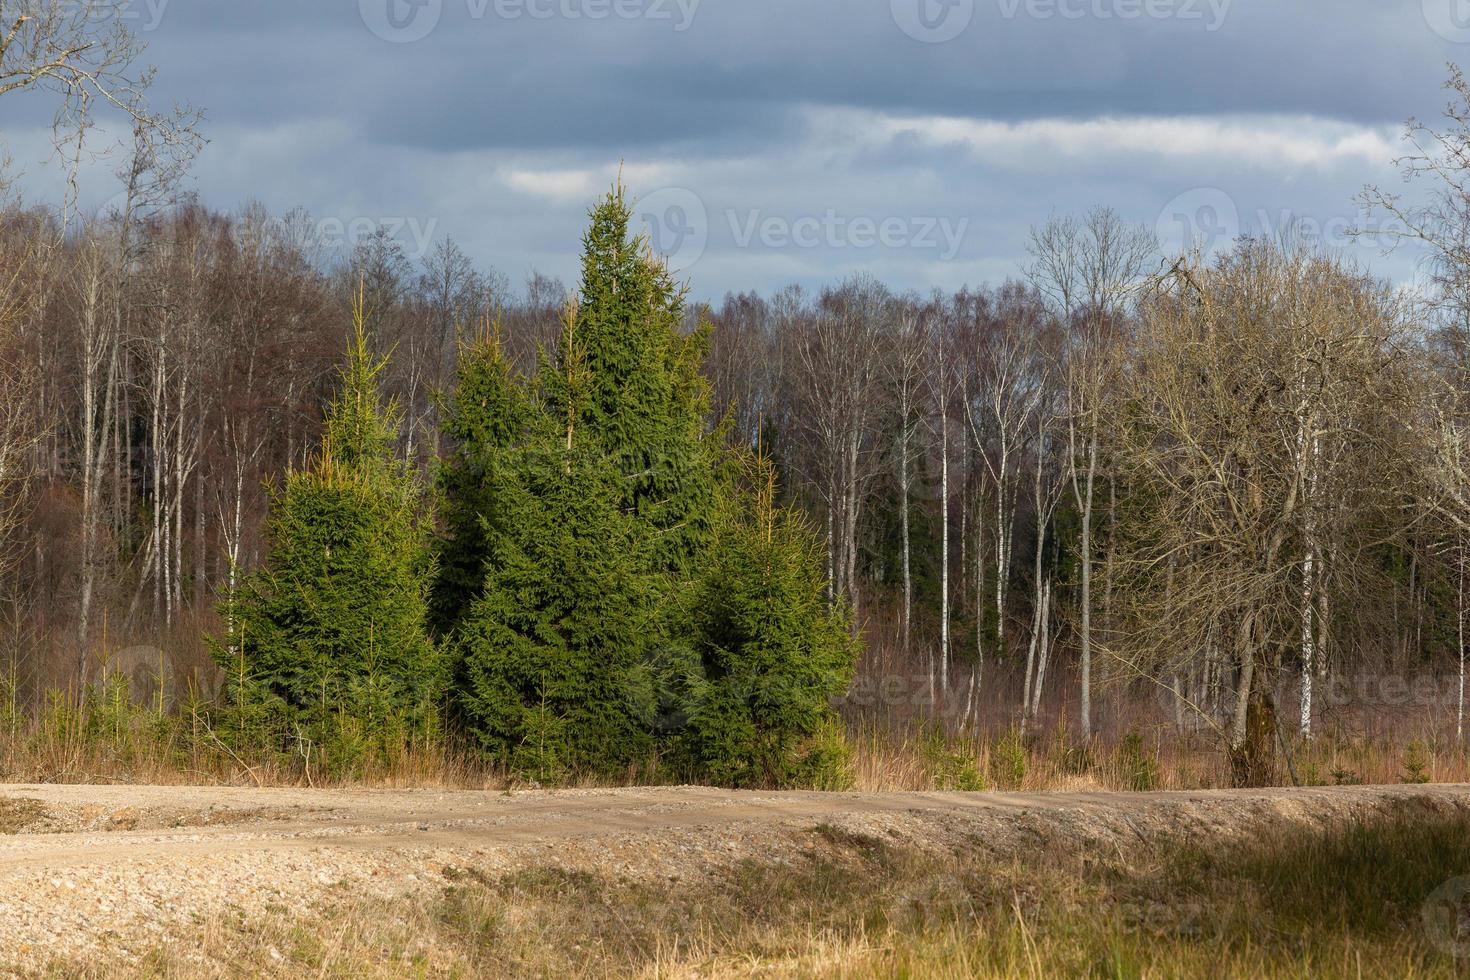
x=1416 y=762
x=1008 y=760
x=1138 y=764
x=950 y=768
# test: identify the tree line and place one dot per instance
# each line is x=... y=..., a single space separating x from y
x=532 y=518
x=605 y=528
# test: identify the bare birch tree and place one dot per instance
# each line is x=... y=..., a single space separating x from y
x=942 y=381
x=906 y=376
x=1089 y=268
x=19 y=426
x=834 y=359
x=1003 y=399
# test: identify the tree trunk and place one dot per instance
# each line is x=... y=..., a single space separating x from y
x=1460 y=618
x=1003 y=531
x=943 y=546
x=1251 y=756
x=1043 y=650
x=903 y=506
x=1307 y=608
x=1085 y=559
x=1039 y=600
x=979 y=587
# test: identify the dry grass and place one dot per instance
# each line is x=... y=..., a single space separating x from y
x=101 y=736
x=923 y=758
x=1386 y=728
x=1383 y=724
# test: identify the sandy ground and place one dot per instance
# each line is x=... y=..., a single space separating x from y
x=118 y=869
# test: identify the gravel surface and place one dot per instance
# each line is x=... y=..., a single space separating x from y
x=116 y=870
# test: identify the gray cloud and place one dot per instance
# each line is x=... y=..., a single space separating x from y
x=500 y=126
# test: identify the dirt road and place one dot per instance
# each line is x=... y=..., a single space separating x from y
x=124 y=867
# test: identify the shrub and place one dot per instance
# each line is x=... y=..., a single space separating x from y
x=1008 y=760
x=1416 y=762
x=948 y=768
x=1138 y=765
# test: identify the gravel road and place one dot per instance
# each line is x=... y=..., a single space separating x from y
x=122 y=868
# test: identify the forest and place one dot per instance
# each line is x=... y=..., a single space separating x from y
x=1136 y=517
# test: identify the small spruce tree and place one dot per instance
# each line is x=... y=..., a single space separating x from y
x=772 y=653
x=488 y=413
x=333 y=627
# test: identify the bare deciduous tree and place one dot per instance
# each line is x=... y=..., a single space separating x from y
x=909 y=342
x=833 y=357
x=19 y=433
x=1230 y=369
x=1089 y=268
x=1004 y=396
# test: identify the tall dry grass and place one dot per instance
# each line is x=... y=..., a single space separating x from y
x=909 y=732
x=101 y=735
x=146 y=716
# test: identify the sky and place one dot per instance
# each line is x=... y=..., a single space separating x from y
x=768 y=142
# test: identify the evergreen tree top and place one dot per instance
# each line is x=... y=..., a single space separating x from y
x=628 y=381
x=489 y=408
x=360 y=428
x=630 y=305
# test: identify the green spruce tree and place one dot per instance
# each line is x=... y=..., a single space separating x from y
x=772 y=652
x=489 y=413
x=556 y=678
x=332 y=630
x=633 y=596
x=646 y=401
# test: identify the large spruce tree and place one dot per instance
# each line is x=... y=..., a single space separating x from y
x=555 y=675
x=646 y=401
x=555 y=672
x=332 y=629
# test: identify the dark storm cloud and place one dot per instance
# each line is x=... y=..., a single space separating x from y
x=491 y=74
x=496 y=121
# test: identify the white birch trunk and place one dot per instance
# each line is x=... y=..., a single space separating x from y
x=1460 y=621
x=1307 y=607
x=1043 y=650
x=903 y=506
x=944 y=540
